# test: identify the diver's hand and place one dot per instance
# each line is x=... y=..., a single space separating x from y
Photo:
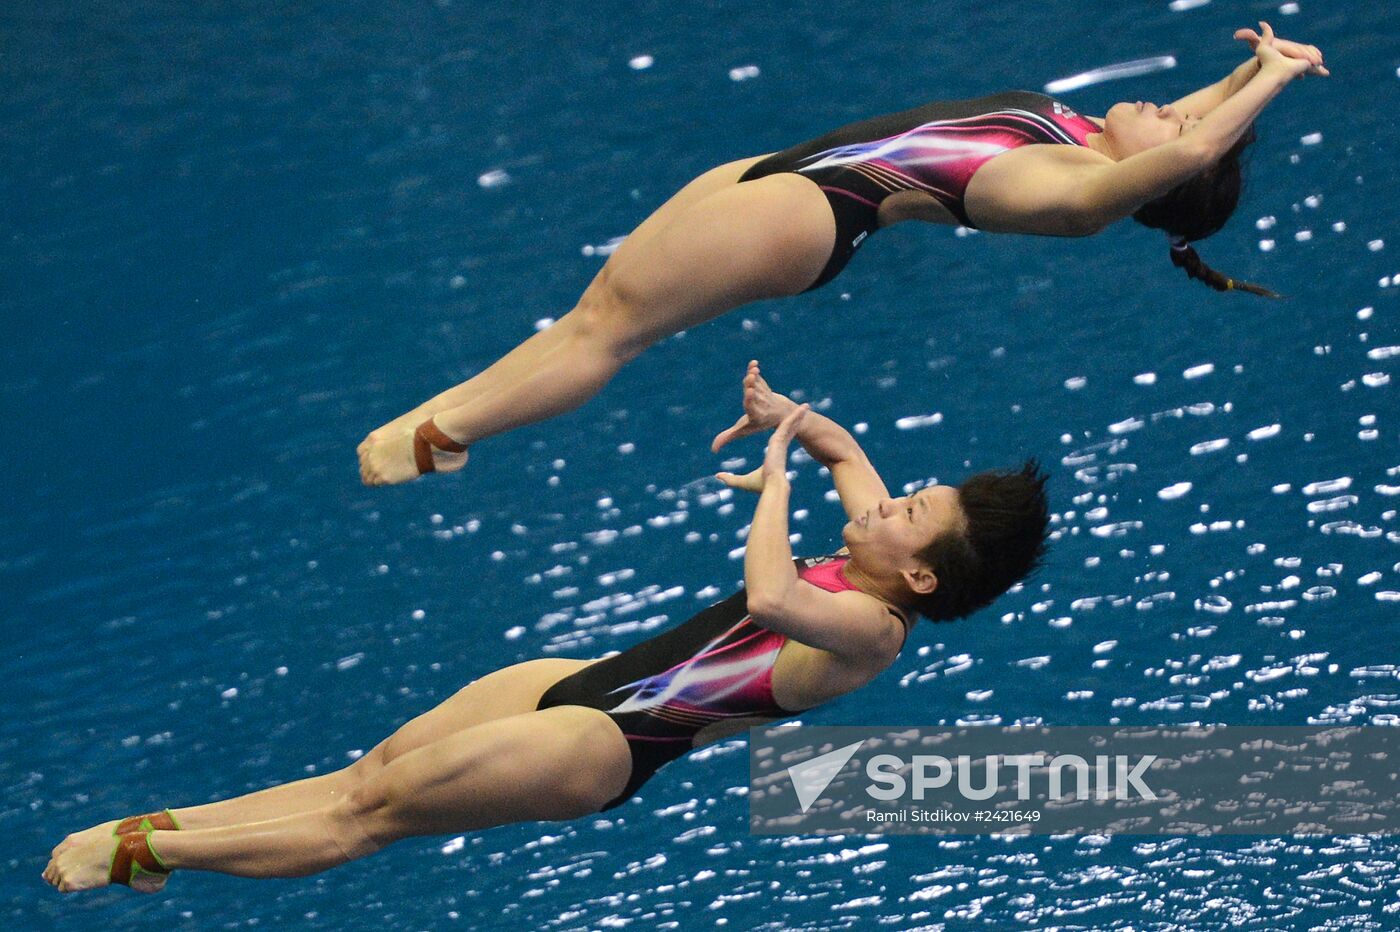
x=774 y=468
x=749 y=482
x=1295 y=57
x=763 y=409
x=775 y=458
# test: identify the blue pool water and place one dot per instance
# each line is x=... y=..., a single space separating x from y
x=238 y=236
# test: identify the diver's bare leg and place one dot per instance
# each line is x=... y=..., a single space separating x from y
x=499 y=694
x=558 y=763
x=696 y=190
x=762 y=239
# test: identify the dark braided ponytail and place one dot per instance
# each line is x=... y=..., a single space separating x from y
x=1198 y=208
x=1184 y=257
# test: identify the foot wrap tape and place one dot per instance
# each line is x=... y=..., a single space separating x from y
x=163 y=821
x=133 y=857
x=425 y=438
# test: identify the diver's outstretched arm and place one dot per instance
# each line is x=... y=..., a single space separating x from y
x=1109 y=192
x=1085 y=193
x=1201 y=102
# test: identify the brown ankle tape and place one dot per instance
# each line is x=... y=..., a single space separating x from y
x=425 y=438
x=134 y=856
x=162 y=821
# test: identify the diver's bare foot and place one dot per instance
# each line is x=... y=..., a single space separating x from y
x=93 y=862
x=387 y=458
x=104 y=830
x=84 y=865
x=406 y=421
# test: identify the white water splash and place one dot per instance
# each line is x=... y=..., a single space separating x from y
x=1115 y=72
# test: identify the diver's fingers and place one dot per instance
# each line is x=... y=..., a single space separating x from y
x=740 y=428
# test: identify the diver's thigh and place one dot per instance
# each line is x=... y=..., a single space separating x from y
x=558 y=763
x=502 y=693
x=696 y=190
x=765 y=238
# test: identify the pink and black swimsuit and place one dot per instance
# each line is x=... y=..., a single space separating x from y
x=936 y=148
x=717 y=666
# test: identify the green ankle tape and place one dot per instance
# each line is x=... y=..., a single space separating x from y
x=150 y=846
x=145 y=826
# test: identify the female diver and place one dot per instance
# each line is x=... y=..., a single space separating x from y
x=555 y=739
x=777 y=225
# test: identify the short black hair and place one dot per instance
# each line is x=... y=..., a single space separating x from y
x=1002 y=542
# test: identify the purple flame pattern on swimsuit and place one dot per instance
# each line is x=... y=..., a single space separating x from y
x=941 y=156
x=934 y=149
x=713 y=669
x=731 y=677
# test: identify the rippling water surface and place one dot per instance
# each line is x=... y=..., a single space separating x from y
x=237 y=237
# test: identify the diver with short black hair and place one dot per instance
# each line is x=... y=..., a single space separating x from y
x=553 y=739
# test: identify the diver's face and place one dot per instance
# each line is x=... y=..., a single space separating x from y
x=1130 y=128
x=893 y=530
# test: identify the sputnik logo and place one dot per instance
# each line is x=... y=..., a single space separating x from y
x=810 y=779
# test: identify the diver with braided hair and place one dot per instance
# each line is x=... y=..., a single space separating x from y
x=785 y=223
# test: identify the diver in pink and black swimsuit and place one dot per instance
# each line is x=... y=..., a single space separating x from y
x=558 y=738
x=705 y=678
x=772 y=226
x=934 y=149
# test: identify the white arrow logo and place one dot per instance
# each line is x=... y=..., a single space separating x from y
x=811 y=779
